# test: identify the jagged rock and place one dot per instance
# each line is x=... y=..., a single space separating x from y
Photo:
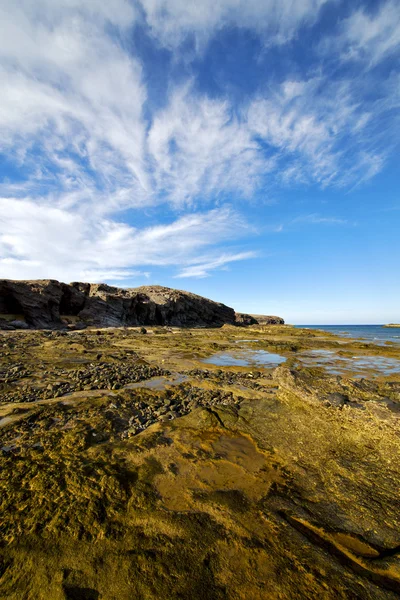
x=38 y=302
x=51 y=304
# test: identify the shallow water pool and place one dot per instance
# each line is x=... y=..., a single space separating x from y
x=157 y=383
x=358 y=365
x=245 y=358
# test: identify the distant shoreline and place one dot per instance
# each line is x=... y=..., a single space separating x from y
x=376 y=334
x=394 y=325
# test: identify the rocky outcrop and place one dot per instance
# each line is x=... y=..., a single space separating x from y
x=243 y=319
x=267 y=319
x=36 y=302
x=51 y=304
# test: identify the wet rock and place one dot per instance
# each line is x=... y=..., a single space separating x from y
x=172 y=414
x=19 y=324
x=337 y=400
x=163 y=418
x=229 y=377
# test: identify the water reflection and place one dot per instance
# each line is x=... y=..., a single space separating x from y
x=358 y=365
x=245 y=358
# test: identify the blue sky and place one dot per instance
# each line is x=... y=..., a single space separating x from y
x=243 y=150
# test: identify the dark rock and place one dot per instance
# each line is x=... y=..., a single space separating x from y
x=337 y=399
x=19 y=324
x=268 y=320
x=243 y=319
x=5 y=325
x=51 y=304
x=37 y=301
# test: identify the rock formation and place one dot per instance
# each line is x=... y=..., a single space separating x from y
x=266 y=320
x=51 y=304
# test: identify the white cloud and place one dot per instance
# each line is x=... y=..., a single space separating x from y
x=371 y=36
x=320 y=132
x=203 y=267
x=118 y=12
x=37 y=240
x=74 y=113
x=316 y=219
x=277 y=21
x=72 y=92
x=200 y=149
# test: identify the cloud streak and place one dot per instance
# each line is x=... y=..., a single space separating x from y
x=42 y=241
x=371 y=37
x=172 y=21
x=203 y=267
x=199 y=148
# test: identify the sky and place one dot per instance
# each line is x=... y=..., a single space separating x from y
x=243 y=150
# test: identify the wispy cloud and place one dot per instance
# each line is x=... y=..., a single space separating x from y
x=42 y=241
x=311 y=219
x=320 y=132
x=203 y=267
x=72 y=97
x=172 y=21
x=316 y=219
x=200 y=149
x=371 y=36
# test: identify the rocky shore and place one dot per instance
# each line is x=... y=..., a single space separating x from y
x=129 y=468
x=46 y=304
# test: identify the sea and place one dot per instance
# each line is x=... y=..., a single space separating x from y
x=371 y=333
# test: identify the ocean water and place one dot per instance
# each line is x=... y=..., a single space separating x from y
x=371 y=333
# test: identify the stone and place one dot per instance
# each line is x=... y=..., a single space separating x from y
x=19 y=324
x=336 y=399
x=163 y=418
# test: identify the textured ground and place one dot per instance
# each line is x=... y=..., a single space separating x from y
x=130 y=469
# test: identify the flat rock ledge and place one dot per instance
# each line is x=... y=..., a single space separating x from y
x=50 y=304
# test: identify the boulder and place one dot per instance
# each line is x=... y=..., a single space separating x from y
x=19 y=324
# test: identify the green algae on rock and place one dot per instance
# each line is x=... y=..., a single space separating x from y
x=223 y=483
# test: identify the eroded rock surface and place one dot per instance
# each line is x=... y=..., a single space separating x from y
x=221 y=483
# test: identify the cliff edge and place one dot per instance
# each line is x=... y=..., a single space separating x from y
x=48 y=303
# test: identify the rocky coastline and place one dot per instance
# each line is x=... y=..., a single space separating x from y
x=50 y=304
x=132 y=467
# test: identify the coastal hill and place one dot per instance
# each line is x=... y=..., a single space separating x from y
x=49 y=303
x=395 y=325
